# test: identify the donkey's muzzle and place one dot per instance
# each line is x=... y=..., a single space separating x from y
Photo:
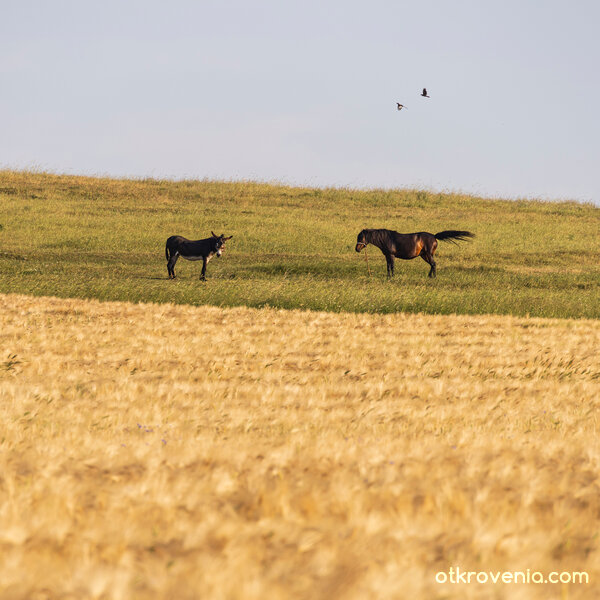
x=360 y=246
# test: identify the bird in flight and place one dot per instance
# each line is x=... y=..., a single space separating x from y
x=424 y=94
x=400 y=106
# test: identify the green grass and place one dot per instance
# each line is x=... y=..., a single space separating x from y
x=294 y=247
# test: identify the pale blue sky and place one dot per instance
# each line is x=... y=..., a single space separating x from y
x=304 y=92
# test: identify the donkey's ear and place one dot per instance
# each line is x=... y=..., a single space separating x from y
x=214 y=234
x=228 y=238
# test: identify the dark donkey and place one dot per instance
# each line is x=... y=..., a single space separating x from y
x=202 y=250
x=407 y=245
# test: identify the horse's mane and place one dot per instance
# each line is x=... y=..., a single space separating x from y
x=378 y=237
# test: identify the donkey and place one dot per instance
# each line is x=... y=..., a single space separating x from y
x=408 y=245
x=202 y=250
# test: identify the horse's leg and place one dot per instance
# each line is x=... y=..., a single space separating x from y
x=428 y=258
x=203 y=274
x=390 y=264
x=171 y=264
x=433 y=271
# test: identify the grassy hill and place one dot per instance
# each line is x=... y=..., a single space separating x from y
x=293 y=247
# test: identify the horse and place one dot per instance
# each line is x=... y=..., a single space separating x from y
x=408 y=245
x=193 y=250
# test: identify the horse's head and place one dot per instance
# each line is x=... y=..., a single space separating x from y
x=220 y=242
x=361 y=241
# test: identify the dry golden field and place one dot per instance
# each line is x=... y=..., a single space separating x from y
x=161 y=451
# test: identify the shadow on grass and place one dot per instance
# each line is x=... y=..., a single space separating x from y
x=331 y=269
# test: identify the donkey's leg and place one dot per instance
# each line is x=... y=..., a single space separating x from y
x=203 y=274
x=171 y=264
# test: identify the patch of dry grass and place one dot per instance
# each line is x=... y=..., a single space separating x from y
x=195 y=452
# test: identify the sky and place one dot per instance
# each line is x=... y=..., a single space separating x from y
x=304 y=92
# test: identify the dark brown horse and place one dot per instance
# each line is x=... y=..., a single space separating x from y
x=407 y=245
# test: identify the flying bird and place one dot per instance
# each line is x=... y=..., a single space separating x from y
x=424 y=94
x=400 y=106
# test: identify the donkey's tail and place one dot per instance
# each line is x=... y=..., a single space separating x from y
x=167 y=251
x=451 y=235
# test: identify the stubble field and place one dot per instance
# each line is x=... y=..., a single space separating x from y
x=204 y=452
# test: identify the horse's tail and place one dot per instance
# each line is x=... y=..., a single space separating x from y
x=451 y=235
x=167 y=250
